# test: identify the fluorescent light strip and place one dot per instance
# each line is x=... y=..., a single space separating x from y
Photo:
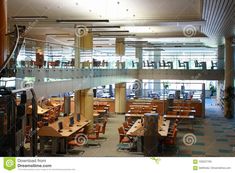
x=122 y=31
x=156 y=49
x=55 y=34
x=118 y=35
x=29 y=17
x=101 y=26
x=80 y=21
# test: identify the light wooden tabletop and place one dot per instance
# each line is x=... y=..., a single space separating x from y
x=40 y=110
x=52 y=129
x=138 y=130
x=134 y=115
x=179 y=116
x=185 y=110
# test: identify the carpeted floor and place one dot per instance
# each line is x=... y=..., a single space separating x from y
x=215 y=136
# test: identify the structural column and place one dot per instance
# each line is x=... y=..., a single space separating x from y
x=120 y=51
x=139 y=56
x=39 y=54
x=86 y=106
x=157 y=84
x=85 y=44
x=229 y=73
x=77 y=51
x=157 y=57
x=77 y=100
x=3 y=30
x=120 y=98
x=220 y=57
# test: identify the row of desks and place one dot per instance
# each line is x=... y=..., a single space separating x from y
x=59 y=138
x=166 y=116
x=138 y=130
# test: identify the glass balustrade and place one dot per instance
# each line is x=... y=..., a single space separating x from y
x=36 y=54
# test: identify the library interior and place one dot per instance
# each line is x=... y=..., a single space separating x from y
x=120 y=78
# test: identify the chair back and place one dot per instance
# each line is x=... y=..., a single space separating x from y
x=174 y=136
x=184 y=113
x=121 y=133
x=129 y=120
x=104 y=126
x=97 y=130
x=125 y=124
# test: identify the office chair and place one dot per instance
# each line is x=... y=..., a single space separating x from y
x=94 y=136
x=125 y=142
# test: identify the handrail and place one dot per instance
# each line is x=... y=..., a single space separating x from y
x=13 y=51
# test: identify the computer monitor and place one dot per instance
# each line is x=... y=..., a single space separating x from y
x=78 y=117
x=60 y=126
x=71 y=121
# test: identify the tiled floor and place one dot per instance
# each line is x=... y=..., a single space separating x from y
x=215 y=136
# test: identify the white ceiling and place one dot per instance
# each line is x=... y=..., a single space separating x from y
x=156 y=21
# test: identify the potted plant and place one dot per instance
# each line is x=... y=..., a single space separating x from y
x=229 y=97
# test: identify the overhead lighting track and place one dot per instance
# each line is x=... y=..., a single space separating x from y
x=29 y=17
x=99 y=26
x=57 y=34
x=117 y=35
x=81 y=21
x=117 y=31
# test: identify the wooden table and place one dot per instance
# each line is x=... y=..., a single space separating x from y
x=182 y=107
x=59 y=139
x=40 y=110
x=185 y=110
x=138 y=130
x=190 y=111
x=182 y=117
x=54 y=103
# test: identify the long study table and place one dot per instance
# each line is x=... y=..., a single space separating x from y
x=59 y=138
